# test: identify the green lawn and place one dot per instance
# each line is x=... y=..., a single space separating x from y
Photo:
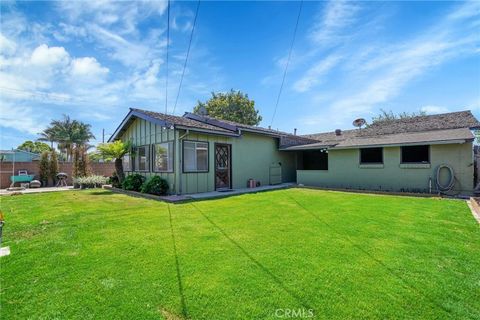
x=99 y=255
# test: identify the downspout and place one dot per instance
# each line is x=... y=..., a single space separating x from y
x=180 y=161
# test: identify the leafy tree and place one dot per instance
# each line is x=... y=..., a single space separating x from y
x=387 y=116
x=35 y=147
x=233 y=106
x=44 y=168
x=115 y=150
x=69 y=134
x=80 y=162
x=53 y=166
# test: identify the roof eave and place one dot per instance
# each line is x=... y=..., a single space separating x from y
x=206 y=131
x=419 y=143
x=141 y=115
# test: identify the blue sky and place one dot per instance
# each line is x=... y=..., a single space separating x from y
x=93 y=60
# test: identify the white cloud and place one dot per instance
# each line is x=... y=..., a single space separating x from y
x=88 y=67
x=20 y=118
x=434 y=109
x=336 y=16
x=314 y=75
x=7 y=46
x=383 y=74
x=45 y=56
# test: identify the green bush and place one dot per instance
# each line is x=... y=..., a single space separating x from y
x=114 y=181
x=155 y=185
x=90 y=181
x=133 y=182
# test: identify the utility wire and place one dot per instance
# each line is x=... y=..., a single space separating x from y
x=186 y=57
x=288 y=62
x=168 y=42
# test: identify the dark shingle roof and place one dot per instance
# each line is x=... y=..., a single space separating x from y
x=180 y=121
x=431 y=128
x=195 y=121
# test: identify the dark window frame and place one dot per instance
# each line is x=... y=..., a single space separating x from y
x=325 y=151
x=183 y=157
x=154 y=158
x=131 y=159
x=373 y=163
x=147 y=155
x=416 y=162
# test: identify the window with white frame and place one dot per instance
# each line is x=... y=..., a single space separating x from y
x=142 y=159
x=163 y=157
x=127 y=162
x=195 y=156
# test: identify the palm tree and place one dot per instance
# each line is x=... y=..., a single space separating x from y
x=115 y=150
x=47 y=135
x=69 y=134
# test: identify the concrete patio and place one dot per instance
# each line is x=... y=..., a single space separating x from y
x=233 y=192
x=5 y=192
x=203 y=195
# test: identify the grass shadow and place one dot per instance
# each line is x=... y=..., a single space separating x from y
x=177 y=266
x=102 y=193
x=373 y=258
x=272 y=276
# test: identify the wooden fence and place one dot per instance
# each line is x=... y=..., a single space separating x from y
x=101 y=169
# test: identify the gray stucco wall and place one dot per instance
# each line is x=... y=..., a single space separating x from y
x=344 y=170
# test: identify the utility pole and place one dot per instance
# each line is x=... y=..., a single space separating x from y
x=103 y=135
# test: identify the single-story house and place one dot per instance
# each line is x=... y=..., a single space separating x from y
x=18 y=155
x=197 y=153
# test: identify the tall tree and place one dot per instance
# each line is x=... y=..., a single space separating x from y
x=44 y=168
x=35 y=147
x=53 y=166
x=233 y=106
x=69 y=134
x=386 y=116
x=115 y=150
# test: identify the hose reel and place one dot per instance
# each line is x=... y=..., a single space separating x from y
x=451 y=182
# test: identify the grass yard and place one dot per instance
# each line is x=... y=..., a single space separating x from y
x=99 y=255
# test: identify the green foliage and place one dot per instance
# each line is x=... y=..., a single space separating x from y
x=233 y=106
x=80 y=163
x=155 y=185
x=133 y=182
x=90 y=181
x=69 y=134
x=44 y=168
x=114 y=150
x=387 y=116
x=95 y=156
x=35 y=147
x=53 y=166
x=114 y=181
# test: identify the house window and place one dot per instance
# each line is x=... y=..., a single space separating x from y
x=127 y=162
x=315 y=160
x=371 y=155
x=415 y=154
x=163 y=157
x=195 y=156
x=141 y=159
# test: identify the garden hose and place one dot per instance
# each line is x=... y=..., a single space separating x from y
x=451 y=182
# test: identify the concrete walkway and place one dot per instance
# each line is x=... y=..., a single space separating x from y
x=4 y=192
x=233 y=192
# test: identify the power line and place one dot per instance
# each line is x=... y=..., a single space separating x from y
x=186 y=57
x=168 y=43
x=288 y=62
